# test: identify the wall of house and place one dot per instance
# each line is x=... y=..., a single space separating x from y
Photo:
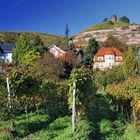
x=109 y=62
x=7 y=57
x=64 y=55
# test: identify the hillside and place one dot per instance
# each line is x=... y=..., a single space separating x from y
x=129 y=33
x=106 y=25
x=12 y=36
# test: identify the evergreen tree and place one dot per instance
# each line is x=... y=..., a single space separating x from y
x=90 y=51
x=105 y=19
x=39 y=45
x=66 y=31
x=22 y=46
x=130 y=67
x=65 y=42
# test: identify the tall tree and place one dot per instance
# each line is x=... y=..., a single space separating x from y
x=65 y=42
x=130 y=67
x=90 y=51
x=66 y=31
x=22 y=46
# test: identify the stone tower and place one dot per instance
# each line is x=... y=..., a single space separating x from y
x=114 y=18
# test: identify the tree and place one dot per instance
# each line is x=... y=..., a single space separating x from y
x=22 y=46
x=137 y=53
x=65 y=42
x=66 y=31
x=112 y=41
x=38 y=41
x=105 y=19
x=48 y=67
x=124 y=19
x=39 y=45
x=30 y=58
x=130 y=66
x=85 y=89
x=90 y=51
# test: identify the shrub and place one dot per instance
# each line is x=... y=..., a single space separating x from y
x=4 y=114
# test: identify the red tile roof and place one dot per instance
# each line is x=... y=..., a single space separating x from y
x=107 y=51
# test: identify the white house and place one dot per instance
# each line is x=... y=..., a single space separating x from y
x=6 y=51
x=64 y=54
x=107 y=58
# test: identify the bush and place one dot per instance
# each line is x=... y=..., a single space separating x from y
x=132 y=132
x=111 y=130
x=4 y=114
x=83 y=130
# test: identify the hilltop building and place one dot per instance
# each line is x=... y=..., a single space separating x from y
x=114 y=18
x=107 y=58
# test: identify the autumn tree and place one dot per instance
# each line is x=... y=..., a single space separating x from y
x=48 y=67
x=30 y=58
x=22 y=46
x=130 y=66
x=85 y=89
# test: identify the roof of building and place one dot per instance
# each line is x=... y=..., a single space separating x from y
x=109 y=51
x=62 y=48
x=6 y=47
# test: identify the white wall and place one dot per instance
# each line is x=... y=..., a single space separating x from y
x=7 y=57
x=109 y=61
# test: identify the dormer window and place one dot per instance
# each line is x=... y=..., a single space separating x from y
x=119 y=58
x=100 y=58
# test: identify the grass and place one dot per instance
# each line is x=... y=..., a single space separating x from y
x=106 y=25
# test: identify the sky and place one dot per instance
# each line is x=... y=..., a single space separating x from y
x=51 y=16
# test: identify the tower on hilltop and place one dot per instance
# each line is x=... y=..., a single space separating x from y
x=114 y=18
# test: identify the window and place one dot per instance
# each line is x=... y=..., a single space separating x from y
x=100 y=58
x=119 y=58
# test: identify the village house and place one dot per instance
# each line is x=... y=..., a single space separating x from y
x=107 y=58
x=65 y=54
x=6 y=50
